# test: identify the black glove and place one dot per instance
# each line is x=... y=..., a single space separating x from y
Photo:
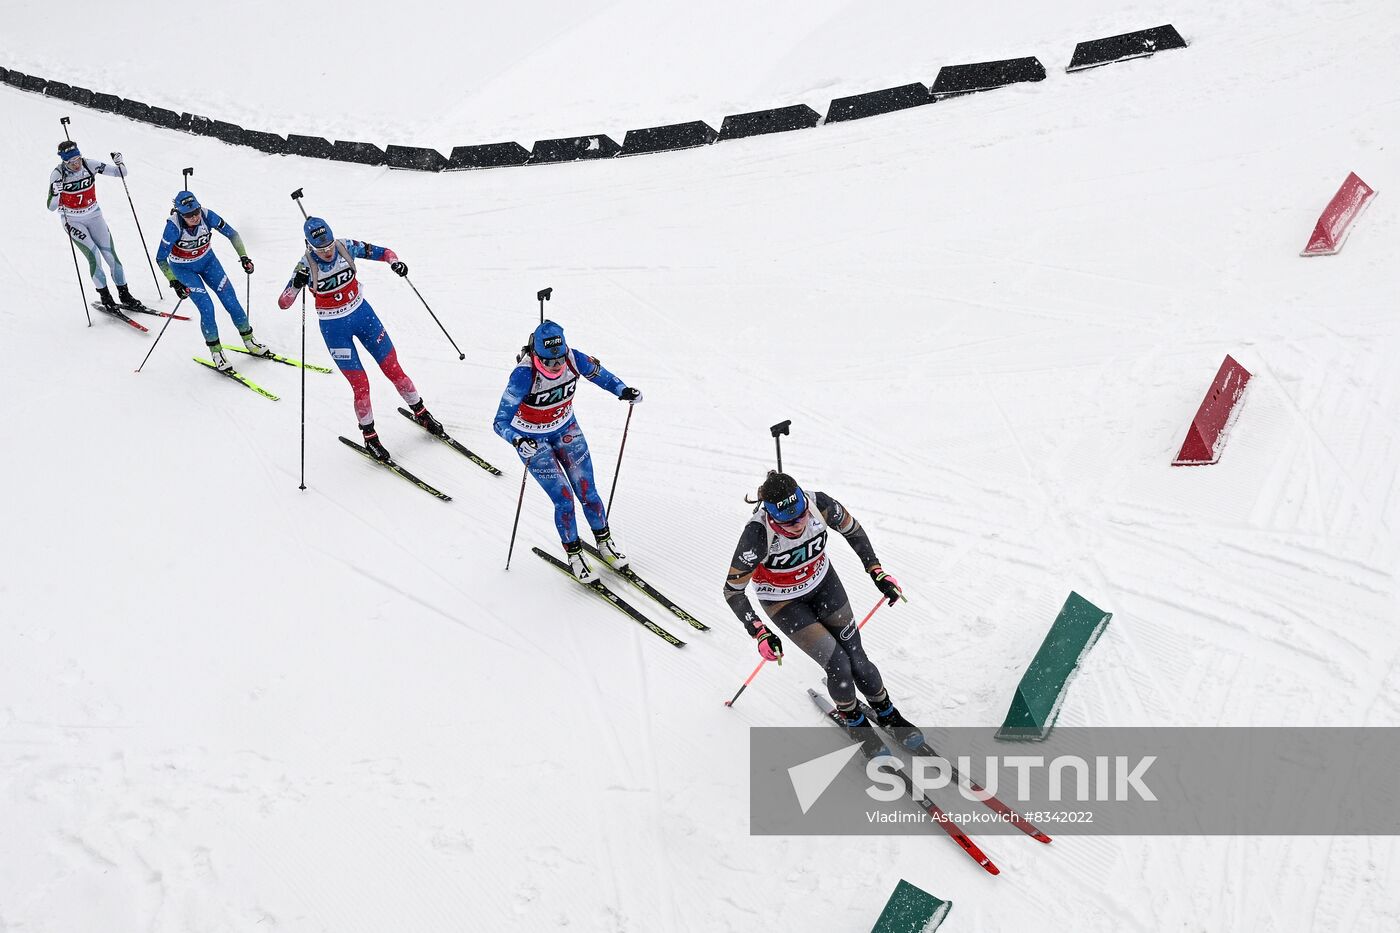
x=630 y=394
x=300 y=279
x=180 y=289
x=247 y=264
x=399 y=266
x=526 y=447
x=886 y=584
x=769 y=645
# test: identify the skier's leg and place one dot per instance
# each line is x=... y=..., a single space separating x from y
x=375 y=338
x=833 y=608
x=77 y=231
x=339 y=336
x=214 y=274
x=102 y=244
x=188 y=273
x=546 y=470
x=571 y=449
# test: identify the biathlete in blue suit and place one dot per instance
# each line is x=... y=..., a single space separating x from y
x=186 y=256
x=328 y=269
x=536 y=414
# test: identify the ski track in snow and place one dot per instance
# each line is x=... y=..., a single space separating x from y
x=226 y=704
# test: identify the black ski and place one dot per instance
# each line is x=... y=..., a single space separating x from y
x=916 y=745
x=632 y=577
x=117 y=313
x=944 y=822
x=455 y=445
x=617 y=602
x=393 y=467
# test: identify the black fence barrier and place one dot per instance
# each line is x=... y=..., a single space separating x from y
x=313 y=147
x=668 y=138
x=134 y=110
x=360 y=153
x=573 y=148
x=873 y=103
x=414 y=157
x=487 y=155
x=762 y=122
x=110 y=103
x=1138 y=44
x=953 y=80
x=264 y=142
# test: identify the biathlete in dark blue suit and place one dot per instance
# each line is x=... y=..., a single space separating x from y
x=187 y=258
x=536 y=415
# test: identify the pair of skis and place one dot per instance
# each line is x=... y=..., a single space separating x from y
x=120 y=313
x=922 y=749
x=602 y=590
x=241 y=379
x=393 y=466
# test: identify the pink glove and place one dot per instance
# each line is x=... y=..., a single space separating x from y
x=769 y=645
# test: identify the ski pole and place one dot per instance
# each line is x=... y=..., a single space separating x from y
x=520 y=502
x=618 y=468
x=71 y=248
x=460 y=354
x=296 y=197
x=159 y=335
x=777 y=431
x=303 y=390
x=746 y=683
x=142 y=235
x=543 y=295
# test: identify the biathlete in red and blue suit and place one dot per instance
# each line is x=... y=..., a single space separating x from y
x=345 y=315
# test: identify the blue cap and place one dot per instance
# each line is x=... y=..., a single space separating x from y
x=548 y=342
x=317 y=232
x=68 y=150
x=788 y=509
x=186 y=203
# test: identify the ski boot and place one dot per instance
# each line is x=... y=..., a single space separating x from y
x=216 y=355
x=892 y=721
x=860 y=729
x=108 y=303
x=252 y=346
x=577 y=565
x=372 y=443
x=128 y=300
x=426 y=420
x=608 y=548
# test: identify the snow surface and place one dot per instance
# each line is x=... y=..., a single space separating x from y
x=226 y=704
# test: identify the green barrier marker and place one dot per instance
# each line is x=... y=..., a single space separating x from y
x=911 y=910
x=1036 y=704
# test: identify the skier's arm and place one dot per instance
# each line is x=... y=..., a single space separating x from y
x=104 y=168
x=752 y=549
x=300 y=276
x=362 y=250
x=843 y=521
x=516 y=388
x=223 y=226
x=168 y=238
x=55 y=188
x=592 y=370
